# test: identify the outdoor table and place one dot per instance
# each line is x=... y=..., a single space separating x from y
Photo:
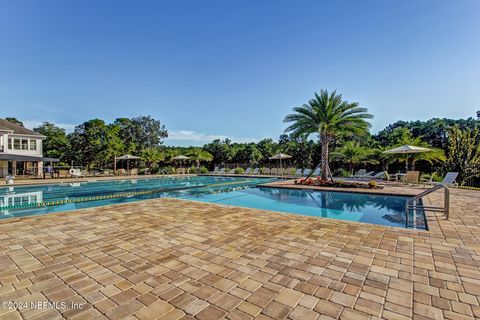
x=399 y=175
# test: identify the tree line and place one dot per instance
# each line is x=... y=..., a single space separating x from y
x=327 y=127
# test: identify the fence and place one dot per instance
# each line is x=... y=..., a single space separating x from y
x=472 y=178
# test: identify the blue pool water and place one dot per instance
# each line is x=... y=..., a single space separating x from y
x=242 y=192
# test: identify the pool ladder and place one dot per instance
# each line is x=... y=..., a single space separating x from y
x=413 y=203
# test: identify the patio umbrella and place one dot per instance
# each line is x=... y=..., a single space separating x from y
x=406 y=149
x=280 y=156
x=180 y=158
x=127 y=157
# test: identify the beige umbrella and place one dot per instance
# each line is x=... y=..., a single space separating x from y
x=405 y=149
x=280 y=156
x=180 y=158
x=127 y=157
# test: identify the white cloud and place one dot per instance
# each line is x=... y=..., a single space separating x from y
x=196 y=138
x=30 y=124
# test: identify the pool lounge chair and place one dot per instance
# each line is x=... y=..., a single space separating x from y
x=231 y=171
x=298 y=173
x=77 y=173
x=360 y=173
x=221 y=171
x=274 y=171
x=449 y=179
x=266 y=171
x=256 y=171
x=412 y=177
x=248 y=171
x=307 y=172
x=215 y=171
x=316 y=173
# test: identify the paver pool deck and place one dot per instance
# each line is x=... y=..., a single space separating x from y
x=174 y=259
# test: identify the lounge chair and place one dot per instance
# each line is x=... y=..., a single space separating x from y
x=221 y=171
x=77 y=173
x=316 y=173
x=449 y=179
x=298 y=172
x=360 y=173
x=231 y=171
x=215 y=171
x=133 y=172
x=274 y=171
x=412 y=177
x=256 y=171
x=307 y=172
x=266 y=171
x=248 y=171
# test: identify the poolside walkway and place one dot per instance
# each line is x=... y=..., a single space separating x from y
x=173 y=259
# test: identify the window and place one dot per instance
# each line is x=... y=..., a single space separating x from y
x=24 y=144
x=16 y=144
x=10 y=143
x=33 y=144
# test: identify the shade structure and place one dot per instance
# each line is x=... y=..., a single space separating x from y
x=280 y=156
x=407 y=149
x=127 y=157
x=181 y=157
x=124 y=157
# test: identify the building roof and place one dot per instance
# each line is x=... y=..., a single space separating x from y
x=6 y=125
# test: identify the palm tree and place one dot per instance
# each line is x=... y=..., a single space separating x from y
x=151 y=156
x=199 y=155
x=353 y=153
x=328 y=115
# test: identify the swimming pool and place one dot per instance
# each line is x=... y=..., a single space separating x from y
x=22 y=201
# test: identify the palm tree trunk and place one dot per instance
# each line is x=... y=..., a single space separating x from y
x=324 y=159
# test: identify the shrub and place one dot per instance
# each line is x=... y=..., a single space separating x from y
x=203 y=170
x=373 y=184
x=192 y=170
x=239 y=170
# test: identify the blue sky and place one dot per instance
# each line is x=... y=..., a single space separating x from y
x=234 y=69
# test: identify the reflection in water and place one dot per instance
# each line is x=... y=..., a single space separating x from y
x=12 y=198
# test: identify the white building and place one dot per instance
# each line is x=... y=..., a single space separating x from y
x=21 y=151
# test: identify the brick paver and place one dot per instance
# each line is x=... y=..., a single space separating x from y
x=173 y=259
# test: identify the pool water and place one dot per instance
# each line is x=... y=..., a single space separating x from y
x=242 y=192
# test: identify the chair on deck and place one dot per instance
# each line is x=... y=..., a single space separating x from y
x=412 y=177
x=256 y=171
x=317 y=172
x=298 y=172
x=248 y=171
x=307 y=172
x=449 y=179
x=215 y=171
x=360 y=173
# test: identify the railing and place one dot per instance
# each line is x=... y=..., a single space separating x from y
x=471 y=178
x=412 y=203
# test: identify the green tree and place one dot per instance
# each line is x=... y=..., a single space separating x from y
x=463 y=152
x=353 y=153
x=267 y=148
x=198 y=155
x=151 y=156
x=328 y=115
x=94 y=143
x=14 y=120
x=147 y=132
x=55 y=145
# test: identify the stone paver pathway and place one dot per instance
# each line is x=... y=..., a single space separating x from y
x=172 y=259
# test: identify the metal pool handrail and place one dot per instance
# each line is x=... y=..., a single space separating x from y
x=411 y=203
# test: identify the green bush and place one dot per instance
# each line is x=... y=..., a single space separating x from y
x=192 y=170
x=203 y=170
x=239 y=170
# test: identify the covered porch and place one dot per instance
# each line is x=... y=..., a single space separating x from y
x=27 y=166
